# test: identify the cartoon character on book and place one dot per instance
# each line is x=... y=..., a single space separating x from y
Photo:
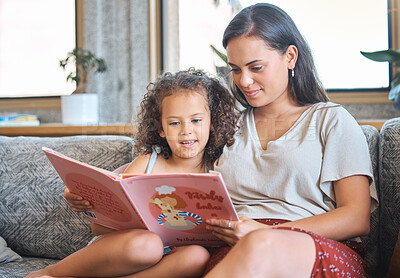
x=170 y=203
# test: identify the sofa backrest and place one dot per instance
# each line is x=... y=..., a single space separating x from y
x=371 y=242
x=35 y=220
x=389 y=189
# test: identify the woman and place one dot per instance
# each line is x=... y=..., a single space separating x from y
x=299 y=162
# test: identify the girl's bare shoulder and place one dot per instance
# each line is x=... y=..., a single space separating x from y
x=138 y=165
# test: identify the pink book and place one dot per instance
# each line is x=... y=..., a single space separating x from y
x=175 y=206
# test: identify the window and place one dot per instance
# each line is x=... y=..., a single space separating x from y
x=336 y=30
x=34 y=36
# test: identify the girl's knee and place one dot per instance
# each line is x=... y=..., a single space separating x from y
x=142 y=247
x=193 y=257
x=196 y=252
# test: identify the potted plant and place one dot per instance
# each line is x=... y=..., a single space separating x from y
x=85 y=62
x=222 y=71
x=391 y=56
x=81 y=108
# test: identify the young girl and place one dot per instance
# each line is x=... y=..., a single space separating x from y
x=184 y=122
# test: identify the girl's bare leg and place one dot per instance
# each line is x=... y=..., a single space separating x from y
x=114 y=254
x=186 y=261
x=268 y=253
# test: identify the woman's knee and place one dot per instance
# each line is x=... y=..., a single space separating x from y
x=263 y=244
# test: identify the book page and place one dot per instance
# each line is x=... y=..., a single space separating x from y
x=111 y=207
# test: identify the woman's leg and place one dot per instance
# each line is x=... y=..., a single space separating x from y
x=114 y=254
x=268 y=253
x=185 y=261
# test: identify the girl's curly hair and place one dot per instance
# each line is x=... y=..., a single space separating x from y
x=220 y=102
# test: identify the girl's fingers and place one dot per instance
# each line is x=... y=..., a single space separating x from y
x=76 y=202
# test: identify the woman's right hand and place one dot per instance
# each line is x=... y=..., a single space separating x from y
x=76 y=202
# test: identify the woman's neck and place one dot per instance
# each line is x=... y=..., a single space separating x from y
x=282 y=107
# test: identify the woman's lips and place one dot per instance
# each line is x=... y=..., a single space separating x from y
x=251 y=93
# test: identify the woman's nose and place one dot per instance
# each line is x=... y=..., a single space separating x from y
x=246 y=80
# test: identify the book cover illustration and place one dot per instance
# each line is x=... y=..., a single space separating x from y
x=175 y=206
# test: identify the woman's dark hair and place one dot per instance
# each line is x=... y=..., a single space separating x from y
x=220 y=102
x=278 y=30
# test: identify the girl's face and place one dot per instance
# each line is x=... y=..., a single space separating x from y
x=261 y=73
x=186 y=123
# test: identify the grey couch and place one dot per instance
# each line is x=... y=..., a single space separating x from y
x=36 y=222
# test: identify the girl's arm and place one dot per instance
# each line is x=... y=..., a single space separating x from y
x=350 y=219
x=100 y=230
x=139 y=165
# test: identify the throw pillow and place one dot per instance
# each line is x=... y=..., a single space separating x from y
x=6 y=254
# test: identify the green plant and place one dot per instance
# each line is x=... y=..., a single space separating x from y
x=220 y=55
x=84 y=62
x=391 y=56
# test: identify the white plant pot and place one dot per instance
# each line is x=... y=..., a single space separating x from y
x=80 y=109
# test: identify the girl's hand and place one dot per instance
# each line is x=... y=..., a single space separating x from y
x=76 y=202
x=232 y=231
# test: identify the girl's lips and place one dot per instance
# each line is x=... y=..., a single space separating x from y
x=188 y=144
x=251 y=93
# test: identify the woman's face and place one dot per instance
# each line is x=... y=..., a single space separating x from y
x=260 y=72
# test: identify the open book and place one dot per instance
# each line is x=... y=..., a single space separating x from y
x=174 y=206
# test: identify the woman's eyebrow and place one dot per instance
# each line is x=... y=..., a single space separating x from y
x=249 y=63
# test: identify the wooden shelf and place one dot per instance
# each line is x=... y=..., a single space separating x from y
x=377 y=124
x=55 y=130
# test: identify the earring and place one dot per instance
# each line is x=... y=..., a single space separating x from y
x=293 y=72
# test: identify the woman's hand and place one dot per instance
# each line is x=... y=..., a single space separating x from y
x=232 y=231
x=76 y=202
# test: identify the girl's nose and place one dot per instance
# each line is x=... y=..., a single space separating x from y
x=187 y=128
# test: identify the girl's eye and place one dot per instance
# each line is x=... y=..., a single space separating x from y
x=196 y=121
x=235 y=70
x=174 y=123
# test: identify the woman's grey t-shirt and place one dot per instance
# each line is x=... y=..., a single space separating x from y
x=293 y=178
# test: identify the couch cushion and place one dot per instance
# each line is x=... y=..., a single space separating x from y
x=389 y=165
x=22 y=268
x=6 y=254
x=34 y=217
x=370 y=242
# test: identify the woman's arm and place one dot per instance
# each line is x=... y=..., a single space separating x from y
x=350 y=219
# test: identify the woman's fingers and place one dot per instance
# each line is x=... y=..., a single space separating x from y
x=232 y=231
x=221 y=223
